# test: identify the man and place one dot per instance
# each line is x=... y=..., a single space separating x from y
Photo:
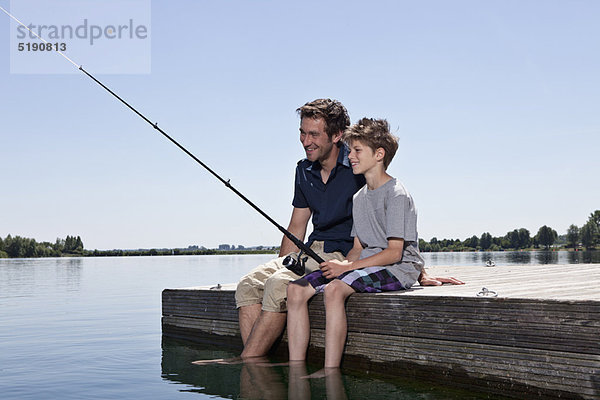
x=324 y=186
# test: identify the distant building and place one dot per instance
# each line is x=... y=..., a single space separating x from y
x=224 y=247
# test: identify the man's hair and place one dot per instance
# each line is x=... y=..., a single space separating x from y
x=374 y=133
x=332 y=111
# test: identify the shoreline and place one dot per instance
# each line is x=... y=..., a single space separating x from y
x=180 y=252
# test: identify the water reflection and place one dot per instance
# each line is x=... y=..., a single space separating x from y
x=257 y=381
x=260 y=382
x=68 y=273
x=25 y=277
x=546 y=257
x=583 y=257
x=518 y=257
x=512 y=257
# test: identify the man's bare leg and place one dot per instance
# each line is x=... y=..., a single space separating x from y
x=267 y=328
x=248 y=315
x=261 y=383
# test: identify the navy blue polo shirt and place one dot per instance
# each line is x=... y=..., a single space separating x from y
x=330 y=203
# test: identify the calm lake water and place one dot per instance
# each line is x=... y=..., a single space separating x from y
x=89 y=328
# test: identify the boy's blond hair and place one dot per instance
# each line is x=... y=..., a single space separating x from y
x=374 y=133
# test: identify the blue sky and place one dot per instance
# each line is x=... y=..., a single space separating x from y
x=496 y=104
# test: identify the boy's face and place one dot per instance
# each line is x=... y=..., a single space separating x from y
x=362 y=157
x=315 y=140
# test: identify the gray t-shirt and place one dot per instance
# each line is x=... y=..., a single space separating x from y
x=388 y=212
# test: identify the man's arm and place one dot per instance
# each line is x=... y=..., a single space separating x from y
x=354 y=253
x=297 y=227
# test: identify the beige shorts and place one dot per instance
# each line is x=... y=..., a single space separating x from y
x=267 y=283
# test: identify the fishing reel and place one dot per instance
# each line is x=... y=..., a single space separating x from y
x=296 y=265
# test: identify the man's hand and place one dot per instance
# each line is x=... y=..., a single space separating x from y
x=426 y=280
x=334 y=268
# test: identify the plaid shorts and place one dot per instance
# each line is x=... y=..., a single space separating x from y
x=364 y=280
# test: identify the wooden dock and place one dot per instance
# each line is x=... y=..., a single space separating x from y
x=539 y=338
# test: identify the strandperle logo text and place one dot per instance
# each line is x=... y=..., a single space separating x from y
x=85 y=30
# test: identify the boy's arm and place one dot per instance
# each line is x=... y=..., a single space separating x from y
x=391 y=255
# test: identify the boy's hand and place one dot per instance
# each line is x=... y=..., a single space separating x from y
x=334 y=268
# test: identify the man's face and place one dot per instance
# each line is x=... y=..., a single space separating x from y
x=315 y=140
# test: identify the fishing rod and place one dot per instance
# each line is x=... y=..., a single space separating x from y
x=295 y=265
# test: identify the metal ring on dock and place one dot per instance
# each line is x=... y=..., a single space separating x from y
x=487 y=293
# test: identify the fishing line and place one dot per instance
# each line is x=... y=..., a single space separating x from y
x=38 y=36
x=301 y=245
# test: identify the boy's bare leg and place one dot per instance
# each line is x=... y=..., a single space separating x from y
x=322 y=373
x=247 y=318
x=336 y=328
x=298 y=324
x=298 y=389
x=267 y=328
x=334 y=385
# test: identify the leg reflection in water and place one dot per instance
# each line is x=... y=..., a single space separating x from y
x=299 y=385
x=298 y=388
x=257 y=382
x=334 y=385
x=262 y=381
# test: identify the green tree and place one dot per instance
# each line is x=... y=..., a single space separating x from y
x=573 y=236
x=30 y=248
x=59 y=245
x=69 y=244
x=524 y=238
x=472 y=242
x=588 y=235
x=595 y=218
x=594 y=221
x=513 y=239
x=486 y=241
x=79 y=245
x=15 y=248
x=7 y=242
x=546 y=236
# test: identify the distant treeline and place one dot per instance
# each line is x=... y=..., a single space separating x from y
x=19 y=247
x=72 y=246
x=169 y=252
x=588 y=236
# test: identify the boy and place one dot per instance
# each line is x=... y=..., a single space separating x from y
x=384 y=256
